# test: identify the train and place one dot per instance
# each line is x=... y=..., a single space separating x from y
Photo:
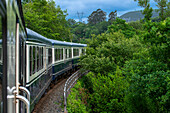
x=29 y=62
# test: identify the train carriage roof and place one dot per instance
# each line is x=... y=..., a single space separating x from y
x=34 y=36
x=60 y=43
x=78 y=45
x=56 y=42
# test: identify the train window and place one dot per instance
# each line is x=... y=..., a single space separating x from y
x=61 y=54
x=0 y=64
x=34 y=60
x=70 y=54
x=0 y=54
x=56 y=54
x=83 y=51
x=42 y=58
x=77 y=52
x=30 y=56
x=38 y=52
x=66 y=53
x=49 y=56
x=74 y=52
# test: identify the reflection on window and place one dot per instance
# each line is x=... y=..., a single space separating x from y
x=59 y=54
x=70 y=54
x=0 y=27
x=66 y=54
x=30 y=57
x=75 y=52
x=36 y=59
x=0 y=62
x=38 y=65
x=49 y=56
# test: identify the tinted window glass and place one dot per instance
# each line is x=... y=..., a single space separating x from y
x=0 y=63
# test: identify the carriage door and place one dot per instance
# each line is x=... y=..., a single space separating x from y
x=22 y=95
x=22 y=72
x=3 y=81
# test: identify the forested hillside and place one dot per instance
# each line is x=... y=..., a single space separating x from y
x=129 y=68
x=137 y=15
x=129 y=63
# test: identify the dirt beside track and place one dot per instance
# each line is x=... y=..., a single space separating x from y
x=52 y=102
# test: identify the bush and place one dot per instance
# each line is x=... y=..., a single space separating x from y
x=77 y=100
x=106 y=51
x=108 y=92
x=149 y=86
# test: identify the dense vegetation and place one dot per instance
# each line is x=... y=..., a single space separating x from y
x=43 y=17
x=128 y=62
x=129 y=68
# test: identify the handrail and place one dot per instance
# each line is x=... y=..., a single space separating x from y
x=22 y=99
x=26 y=91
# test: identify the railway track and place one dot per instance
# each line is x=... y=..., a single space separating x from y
x=52 y=101
x=69 y=84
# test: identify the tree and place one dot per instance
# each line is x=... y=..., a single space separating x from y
x=113 y=15
x=162 y=4
x=97 y=17
x=43 y=17
x=167 y=12
x=148 y=10
x=71 y=22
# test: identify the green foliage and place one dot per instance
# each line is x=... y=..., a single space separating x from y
x=157 y=33
x=162 y=4
x=82 y=31
x=129 y=66
x=108 y=92
x=147 y=11
x=77 y=100
x=121 y=25
x=44 y=18
x=148 y=91
x=108 y=50
x=167 y=10
x=104 y=93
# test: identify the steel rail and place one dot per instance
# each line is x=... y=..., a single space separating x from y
x=65 y=88
x=68 y=86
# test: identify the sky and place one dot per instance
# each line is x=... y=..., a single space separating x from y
x=88 y=6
